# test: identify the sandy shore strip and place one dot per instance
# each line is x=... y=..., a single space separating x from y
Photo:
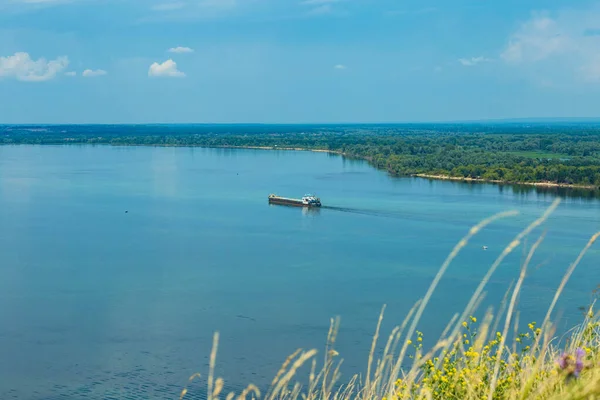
x=280 y=148
x=479 y=180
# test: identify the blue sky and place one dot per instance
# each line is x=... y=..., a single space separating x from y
x=126 y=61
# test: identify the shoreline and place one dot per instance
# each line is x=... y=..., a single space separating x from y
x=501 y=182
x=432 y=176
x=279 y=148
x=420 y=175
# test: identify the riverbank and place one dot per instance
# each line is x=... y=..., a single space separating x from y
x=501 y=182
x=430 y=176
x=516 y=157
x=281 y=148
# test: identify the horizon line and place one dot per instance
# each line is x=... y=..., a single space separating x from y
x=474 y=121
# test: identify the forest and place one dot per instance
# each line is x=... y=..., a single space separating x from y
x=565 y=154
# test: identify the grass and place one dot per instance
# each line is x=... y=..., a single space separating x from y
x=471 y=360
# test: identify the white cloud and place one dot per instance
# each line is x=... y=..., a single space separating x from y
x=469 y=62
x=537 y=39
x=180 y=50
x=166 y=69
x=562 y=46
x=21 y=67
x=91 y=73
x=71 y=73
x=339 y=66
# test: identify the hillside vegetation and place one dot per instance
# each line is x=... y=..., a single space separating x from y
x=562 y=155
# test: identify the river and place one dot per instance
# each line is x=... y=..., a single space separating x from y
x=117 y=264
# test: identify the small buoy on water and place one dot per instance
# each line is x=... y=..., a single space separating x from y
x=485 y=247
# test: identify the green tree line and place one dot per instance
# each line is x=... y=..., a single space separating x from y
x=562 y=155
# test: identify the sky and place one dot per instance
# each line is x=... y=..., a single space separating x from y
x=297 y=61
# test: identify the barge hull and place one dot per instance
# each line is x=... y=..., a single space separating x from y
x=306 y=201
x=288 y=202
x=283 y=201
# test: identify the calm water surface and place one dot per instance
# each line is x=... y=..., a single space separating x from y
x=99 y=303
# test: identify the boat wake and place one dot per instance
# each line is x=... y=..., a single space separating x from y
x=364 y=211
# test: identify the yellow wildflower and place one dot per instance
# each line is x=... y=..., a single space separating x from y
x=409 y=341
x=473 y=319
x=471 y=354
x=464 y=324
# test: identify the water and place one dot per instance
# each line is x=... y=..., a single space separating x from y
x=117 y=264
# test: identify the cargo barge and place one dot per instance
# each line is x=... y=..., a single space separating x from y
x=307 y=200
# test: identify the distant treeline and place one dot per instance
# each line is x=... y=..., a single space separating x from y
x=563 y=154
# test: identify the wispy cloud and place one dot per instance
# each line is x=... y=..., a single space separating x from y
x=43 y=1
x=563 y=44
x=426 y=10
x=180 y=50
x=321 y=10
x=33 y=4
x=470 y=62
x=418 y=11
x=166 y=69
x=537 y=39
x=175 y=5
x=92 y=73
x=320 y=7
x=339 y=66
x=319 y=2
x=193 y=9
x=218 y=4
x=22 y=67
